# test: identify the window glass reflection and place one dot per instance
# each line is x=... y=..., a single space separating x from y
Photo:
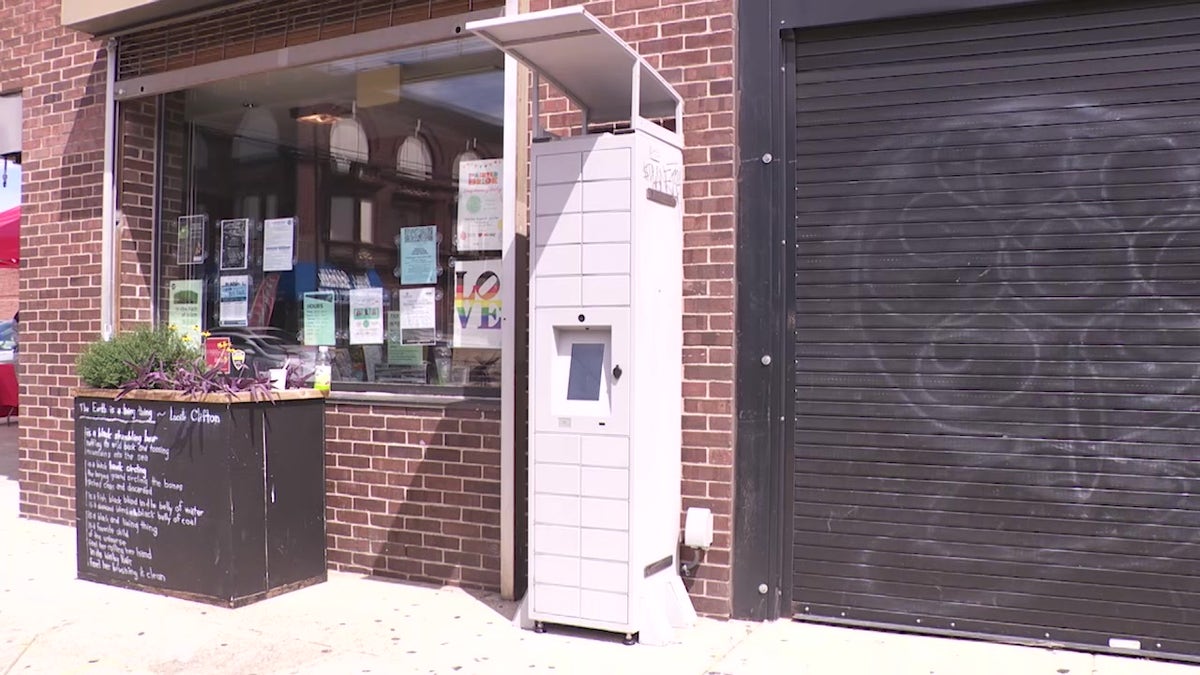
x=366 y=193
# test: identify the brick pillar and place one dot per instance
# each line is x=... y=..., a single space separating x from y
x=60 y=74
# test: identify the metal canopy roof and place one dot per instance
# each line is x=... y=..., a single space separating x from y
x=583 y=58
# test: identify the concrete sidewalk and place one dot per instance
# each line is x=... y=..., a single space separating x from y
x=50 y=622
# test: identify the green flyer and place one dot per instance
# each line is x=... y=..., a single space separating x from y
x=399 y=354
x=318 y=318
x=184 y=309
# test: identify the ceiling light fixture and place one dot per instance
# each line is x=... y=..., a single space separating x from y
x=318 y=118
x=321 y=113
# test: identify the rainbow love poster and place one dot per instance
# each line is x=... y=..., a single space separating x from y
x=477 y=303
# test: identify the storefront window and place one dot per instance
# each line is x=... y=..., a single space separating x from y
x=354 y=204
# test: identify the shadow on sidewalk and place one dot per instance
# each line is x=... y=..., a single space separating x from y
x=505 y=609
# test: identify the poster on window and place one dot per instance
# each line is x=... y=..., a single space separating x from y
x=216 y=353
x=279 y=237
x=184 y=309
x=418 y=315
x=235 y=299
x=399 y=354
x=235 y=244
x=366 y=316
x=418 y=255
x=480 y=205
x=477 y=303
x=190 y=239
x=318 y=318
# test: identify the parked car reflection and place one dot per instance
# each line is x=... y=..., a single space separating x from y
x=8 y=341
x=9 y=393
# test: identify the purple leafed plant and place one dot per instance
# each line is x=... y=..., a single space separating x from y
x=193 y=378
x=164 y=359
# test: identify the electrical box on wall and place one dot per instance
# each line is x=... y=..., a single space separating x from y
x=606 y=336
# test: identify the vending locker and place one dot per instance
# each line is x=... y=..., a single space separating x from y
x=605 y=354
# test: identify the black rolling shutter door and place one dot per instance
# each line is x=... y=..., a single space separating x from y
x=997 y=418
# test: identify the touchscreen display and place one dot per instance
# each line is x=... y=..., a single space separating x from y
x=587 y=371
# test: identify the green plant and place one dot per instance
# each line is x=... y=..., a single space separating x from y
x=162 y=358
x=109 y=364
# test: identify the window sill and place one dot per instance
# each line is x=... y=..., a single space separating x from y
x=411 y=400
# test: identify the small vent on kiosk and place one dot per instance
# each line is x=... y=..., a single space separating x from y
x=255 y=27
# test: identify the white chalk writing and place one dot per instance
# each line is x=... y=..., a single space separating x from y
x=128 y=499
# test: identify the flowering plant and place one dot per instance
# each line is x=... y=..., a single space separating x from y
x=163 y=358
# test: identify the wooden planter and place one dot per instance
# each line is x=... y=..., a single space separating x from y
x=210 y=498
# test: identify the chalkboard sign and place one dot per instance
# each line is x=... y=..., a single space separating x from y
x=214 y=501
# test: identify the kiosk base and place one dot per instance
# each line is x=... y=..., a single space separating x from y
x=666 y=609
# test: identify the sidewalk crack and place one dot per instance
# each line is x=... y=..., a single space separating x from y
x=36 y=636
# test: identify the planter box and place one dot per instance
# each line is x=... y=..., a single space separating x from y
x=214 y=498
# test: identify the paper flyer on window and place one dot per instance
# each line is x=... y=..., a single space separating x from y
x=235 y=299
x=184 y=309
x=190 y=239
x=480 y=205
x=418 y=255
x=418 y=315
x=279 y=241
x=216 y=353
x=366 y=316
x=477 y=303
x=235 y=244
x=397 y=353
x=318 y=318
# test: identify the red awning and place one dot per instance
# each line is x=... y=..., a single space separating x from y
x=10 y=237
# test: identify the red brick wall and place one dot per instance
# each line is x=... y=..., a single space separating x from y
x=10 y=280
x=414 y=493
x=136 y=146
x=691 y=42
x=60 y=74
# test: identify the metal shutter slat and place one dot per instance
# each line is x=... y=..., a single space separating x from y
x=998 y=355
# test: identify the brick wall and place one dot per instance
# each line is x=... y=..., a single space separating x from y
x=414 y=493
x=691 y=42
x=10 y=290
x=60 y=74
x=136 y=150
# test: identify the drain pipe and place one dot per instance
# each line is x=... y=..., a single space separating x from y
x=108 y=211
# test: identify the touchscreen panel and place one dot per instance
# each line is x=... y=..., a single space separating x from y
x=586 y=371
